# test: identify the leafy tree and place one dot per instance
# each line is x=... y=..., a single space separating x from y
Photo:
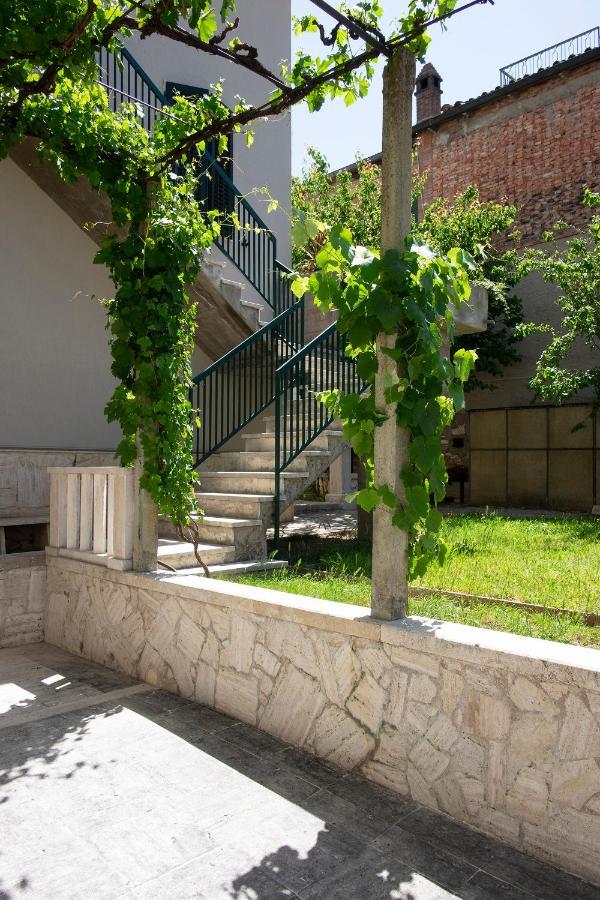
x=405 y=294
x=467 y=223
x=475 y=226
x=354 y=203
x=576 y=272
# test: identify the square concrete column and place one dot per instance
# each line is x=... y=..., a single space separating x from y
x=389 y=584
x=145 y=522
x=340 y=478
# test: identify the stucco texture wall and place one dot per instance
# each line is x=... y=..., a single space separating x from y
x=55 y=360
x=265 y=24
x=501 y=732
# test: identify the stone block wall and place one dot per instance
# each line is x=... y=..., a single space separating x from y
x=24 y=483
x=22 y=598
x=499 y=731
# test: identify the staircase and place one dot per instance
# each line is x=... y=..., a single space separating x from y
x=273 y=379
x=238 y=497
x=248 y=478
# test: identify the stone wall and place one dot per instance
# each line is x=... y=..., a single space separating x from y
x=501 y=732
x=22 y=598
x=24 y=482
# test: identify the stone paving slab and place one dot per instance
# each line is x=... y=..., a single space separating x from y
x=111 y=789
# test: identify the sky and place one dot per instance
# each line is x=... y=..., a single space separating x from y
x=468 y=56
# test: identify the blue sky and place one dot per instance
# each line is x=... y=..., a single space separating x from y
x=467 y=55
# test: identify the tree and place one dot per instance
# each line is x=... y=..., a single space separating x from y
x=49 y=91
x=476 y=227
x=355 y=203
x=466 y=222
x=576 y=272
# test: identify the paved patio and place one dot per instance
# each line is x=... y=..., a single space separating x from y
x=109 y=788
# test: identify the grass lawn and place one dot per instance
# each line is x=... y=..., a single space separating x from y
x=555 y=562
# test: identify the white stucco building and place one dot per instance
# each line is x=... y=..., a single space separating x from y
x=54 y=357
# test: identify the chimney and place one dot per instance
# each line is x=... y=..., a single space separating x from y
x=428 y=92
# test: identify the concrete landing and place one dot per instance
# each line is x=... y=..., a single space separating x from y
x=109 y=789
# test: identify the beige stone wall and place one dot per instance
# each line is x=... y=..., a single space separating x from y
x=22 y=598
x=24 y=482
x=499 y=731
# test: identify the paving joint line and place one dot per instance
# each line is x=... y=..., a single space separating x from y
x=29 y=715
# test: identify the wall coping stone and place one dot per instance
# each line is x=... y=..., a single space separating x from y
x=549 y=660
x=31 y=558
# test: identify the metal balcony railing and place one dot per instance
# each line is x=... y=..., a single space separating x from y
x=543 y=59
x=250 y=245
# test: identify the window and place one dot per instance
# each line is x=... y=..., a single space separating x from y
x=213 y=190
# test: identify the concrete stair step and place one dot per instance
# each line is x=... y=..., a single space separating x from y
x=180 y=555
x=232 y=290
x=253 y=506
x=265 y=441
x=215 y=529
x=251 y=312
x=251 y=482
x=285 y=422
x=237 y=568
x=256 y=461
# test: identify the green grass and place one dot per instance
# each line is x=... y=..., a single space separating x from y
x=550 y=561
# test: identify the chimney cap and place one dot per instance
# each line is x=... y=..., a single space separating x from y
x=429 y=69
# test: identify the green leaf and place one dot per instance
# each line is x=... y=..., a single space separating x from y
x=367 y=499
x=299 y=287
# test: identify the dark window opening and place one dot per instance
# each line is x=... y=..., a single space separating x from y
x=423 y=83
x=458 y=442
x=25 y=538
x=214 y=192
x=437 y=82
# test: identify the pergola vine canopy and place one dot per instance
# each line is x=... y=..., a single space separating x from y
x=49 y=91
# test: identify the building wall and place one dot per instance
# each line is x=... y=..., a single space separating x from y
x=55 y=359
x=266 y=24
x=536 y=148
x=23 y=598
x=501 y=732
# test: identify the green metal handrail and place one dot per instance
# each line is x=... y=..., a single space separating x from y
x=241 y=384
x=251 y=247
x=299 y=416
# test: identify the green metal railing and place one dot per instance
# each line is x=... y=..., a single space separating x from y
x=299 y=416
x=271 y=365
x=549 y=56
x=250 y=246
x=242 y=384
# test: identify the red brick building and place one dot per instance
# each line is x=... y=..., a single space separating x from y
x=533 y=142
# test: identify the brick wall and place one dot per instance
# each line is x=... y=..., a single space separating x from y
x=536 y=147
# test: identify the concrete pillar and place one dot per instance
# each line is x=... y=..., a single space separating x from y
x=145 y=522
x=389 y=592
x=340 y=478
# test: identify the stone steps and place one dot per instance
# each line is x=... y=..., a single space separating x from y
x=239 y=482
x=257 y=461
x=237 y=493
x=246 y=535
x=180 y=555
x=251 y=506
x=265 y=441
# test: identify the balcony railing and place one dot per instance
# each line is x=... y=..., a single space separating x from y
x=543 y=59
x=250 y=245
